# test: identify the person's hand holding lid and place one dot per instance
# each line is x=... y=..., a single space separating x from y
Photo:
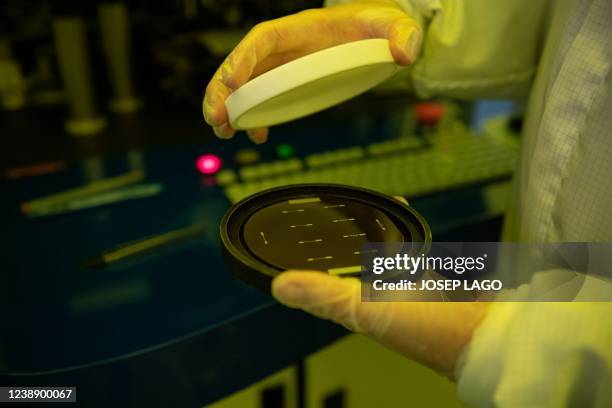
x=276 y=42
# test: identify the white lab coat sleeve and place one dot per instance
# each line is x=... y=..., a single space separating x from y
x=476 y=48
x=541 y=354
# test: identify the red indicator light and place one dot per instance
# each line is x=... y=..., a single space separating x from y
x=209 y=164
x=429 y=113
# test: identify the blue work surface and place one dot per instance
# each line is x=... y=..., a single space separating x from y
x=172 y=327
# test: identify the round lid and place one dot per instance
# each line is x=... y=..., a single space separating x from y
x=323 y=227
x=310 y=84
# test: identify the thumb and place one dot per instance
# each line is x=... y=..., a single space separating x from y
x=333 y=298
x=405 y=38
x=404 y=33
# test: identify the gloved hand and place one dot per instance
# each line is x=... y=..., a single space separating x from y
x=276 y=42
x=432 y=333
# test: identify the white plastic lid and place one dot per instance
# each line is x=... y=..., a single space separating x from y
x=310 y=84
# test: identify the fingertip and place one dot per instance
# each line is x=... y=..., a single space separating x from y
x=213 y=109
x=224 y=131
x=291 y=276
x=399 y=55
x=321 y=294
x=259 y=135
x=310 y=280
x=288 y=288
x=405 y=39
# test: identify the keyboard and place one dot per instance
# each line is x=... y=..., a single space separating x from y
x=409 y=166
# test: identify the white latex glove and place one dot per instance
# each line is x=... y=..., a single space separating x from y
x=432 y=333
x=276 y=42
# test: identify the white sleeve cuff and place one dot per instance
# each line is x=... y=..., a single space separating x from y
x=536 y=354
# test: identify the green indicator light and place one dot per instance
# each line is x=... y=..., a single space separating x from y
x=284 y=150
